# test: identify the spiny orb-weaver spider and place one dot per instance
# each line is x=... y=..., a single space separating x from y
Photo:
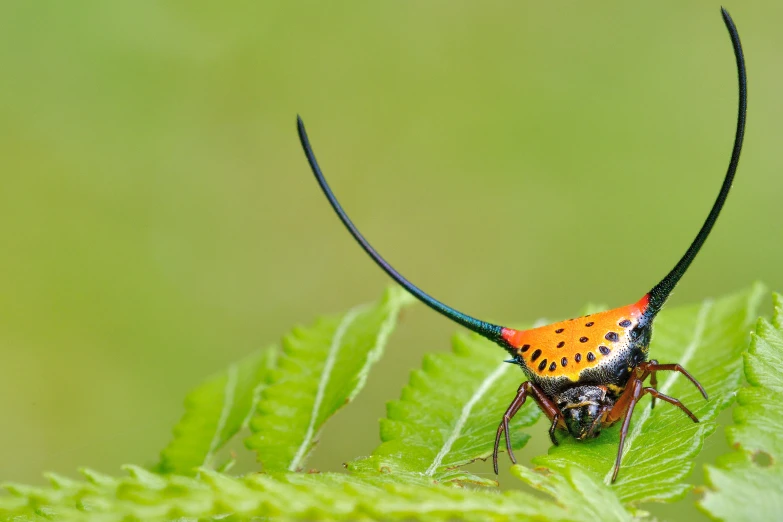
x=584 y=373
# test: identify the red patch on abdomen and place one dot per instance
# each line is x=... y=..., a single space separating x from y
x=512 y=337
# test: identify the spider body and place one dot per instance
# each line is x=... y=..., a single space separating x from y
x=597 y=349
x=589 y=372
x=583 y=365
x=579 y=369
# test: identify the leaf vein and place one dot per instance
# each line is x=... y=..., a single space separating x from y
x=463 y=418
x=228 y=403
x=698 y=334
x=326 y=375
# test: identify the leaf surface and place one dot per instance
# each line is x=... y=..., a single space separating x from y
x=321 y=369
x=449 y=412
x=748 y=484
x=446 y=417
x=215 y=411
x=142 y=495
x=578 y=489
x=707 y=339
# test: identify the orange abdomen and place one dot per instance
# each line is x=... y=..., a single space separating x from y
x=567 y=348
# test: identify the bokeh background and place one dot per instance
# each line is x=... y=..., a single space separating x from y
x=515 y=159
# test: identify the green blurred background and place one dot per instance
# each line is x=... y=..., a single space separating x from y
x=515 y=159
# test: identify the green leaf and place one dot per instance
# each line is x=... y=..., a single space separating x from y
x=293 y=496
x=321 y=369
x=578 y=489
x=142 y=495
x=447 y=416
x=215 y=411
x=449 y=412
x=748 y=484
x=707 y=339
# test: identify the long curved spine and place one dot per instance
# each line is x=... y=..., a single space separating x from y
x=490 y=331
x=661 y=291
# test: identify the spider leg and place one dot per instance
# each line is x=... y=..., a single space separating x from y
x=544 y=402
x=671 y=400
x=600 y=418
x=552 y=429
x=636 y=392
x=653 y=367
x=653 y=384
x=512 y=410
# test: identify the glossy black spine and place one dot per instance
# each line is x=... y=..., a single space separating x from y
x=661 y=291
x=488 y=330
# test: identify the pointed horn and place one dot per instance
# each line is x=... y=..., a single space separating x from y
x=490 y=331
x=661 y=291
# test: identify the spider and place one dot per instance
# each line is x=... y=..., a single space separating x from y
x=586 y=373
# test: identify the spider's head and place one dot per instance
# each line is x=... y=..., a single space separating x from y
x=583 y=409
